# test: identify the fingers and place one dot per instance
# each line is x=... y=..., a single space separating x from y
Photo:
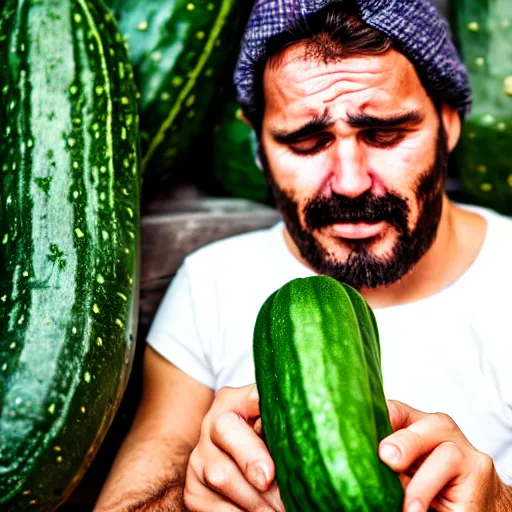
x=273 y=497
x=439 y=468
x=221 y=484
x=208 y=501
x=231 y=460
x=234 y=436
x=226 y=478
x=245 y=401
x=404 y=447
x=402 y=415
x=437 y=465
x=235 y=412
x=258 y=428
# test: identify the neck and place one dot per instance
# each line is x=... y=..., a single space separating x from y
x=458 y=240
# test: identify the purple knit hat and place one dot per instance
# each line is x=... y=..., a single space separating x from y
x=415 y=26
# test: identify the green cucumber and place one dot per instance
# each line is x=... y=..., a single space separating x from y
x=183 y=53
x=483 y=33
x=234 y=152
x=318 y=373
x=69 y=232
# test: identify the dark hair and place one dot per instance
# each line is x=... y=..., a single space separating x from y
x=333 y=33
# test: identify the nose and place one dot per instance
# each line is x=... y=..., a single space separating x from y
x=350 y=175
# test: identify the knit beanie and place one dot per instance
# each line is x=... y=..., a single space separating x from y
x=416 y=28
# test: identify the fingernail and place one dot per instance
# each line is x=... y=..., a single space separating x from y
x=260 y=475
x=415 y=506
x=389 y=452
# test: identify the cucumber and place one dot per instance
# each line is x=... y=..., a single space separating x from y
x=318 y=373
x=69 y=231
x=234 y=152
x=183 y=53
x=483 y=34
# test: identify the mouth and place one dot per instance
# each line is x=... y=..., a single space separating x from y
x=356 y=230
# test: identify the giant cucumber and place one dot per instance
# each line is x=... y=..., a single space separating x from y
x=183 y=52
x=317 y=362
x=483 y=32
x=233 y=156
x=69 y=233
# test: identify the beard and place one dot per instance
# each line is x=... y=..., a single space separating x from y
x=361 y=268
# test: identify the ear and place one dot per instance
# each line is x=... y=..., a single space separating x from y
x=452 y=125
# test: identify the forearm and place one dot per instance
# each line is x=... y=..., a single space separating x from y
x=148 y=475
x=169 y=498
x=505 y=501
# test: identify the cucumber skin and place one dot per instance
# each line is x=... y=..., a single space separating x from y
x=70 y=242
x=183 y=53
x=317 y=362
x=483 y=33
x=234 y=152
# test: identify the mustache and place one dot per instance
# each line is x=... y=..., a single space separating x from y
x=367 y=207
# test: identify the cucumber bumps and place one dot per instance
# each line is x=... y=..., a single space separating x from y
x=317 y=361
x=69 y=232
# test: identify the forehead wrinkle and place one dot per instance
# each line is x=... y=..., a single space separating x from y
x=322 y=79
x=292 y=87
x=305 y=102
x=295 y=70
x=315 y=68
x=301 y=90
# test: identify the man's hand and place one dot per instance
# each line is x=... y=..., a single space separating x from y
x=231 y=469
x=438 y=466
x=149 y=470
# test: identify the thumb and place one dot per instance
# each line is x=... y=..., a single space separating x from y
x=402 y=415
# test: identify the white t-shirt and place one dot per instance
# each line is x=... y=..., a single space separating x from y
x=450 y=352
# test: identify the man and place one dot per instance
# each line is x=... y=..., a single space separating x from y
x=357 y=105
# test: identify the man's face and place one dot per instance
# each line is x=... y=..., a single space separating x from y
x=356 y=155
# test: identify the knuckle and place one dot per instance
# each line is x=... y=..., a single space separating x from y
x=222 y=393
x=412 y=437
x=445 y=421
x=224 y=423
x=218 y=476
x=484 y=463
x=451 y=452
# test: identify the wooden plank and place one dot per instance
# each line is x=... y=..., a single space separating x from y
x=168 y=238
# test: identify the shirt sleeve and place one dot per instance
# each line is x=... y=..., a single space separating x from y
x=175 y=334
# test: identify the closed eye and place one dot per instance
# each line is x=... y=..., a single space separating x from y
x=312 y=145
x=383 y=138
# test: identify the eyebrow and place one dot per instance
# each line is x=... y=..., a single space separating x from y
x=409 y=118
x=315 y=125
x=320 y=123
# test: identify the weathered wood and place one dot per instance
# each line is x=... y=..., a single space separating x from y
x=168 y=238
